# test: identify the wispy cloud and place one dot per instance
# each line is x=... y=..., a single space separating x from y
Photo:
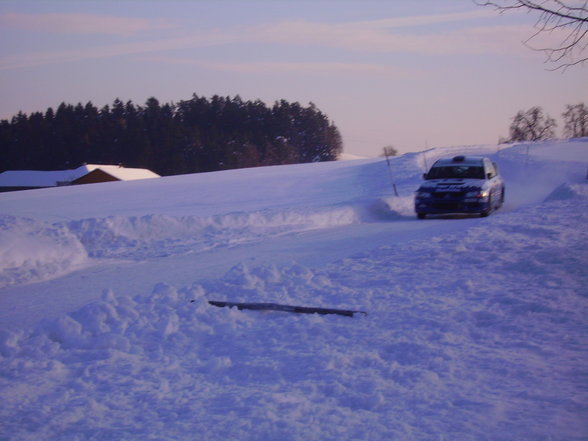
x=424 y=20
x=292 y=68
x=388 y=35
x=80 y=23
x=114 y=50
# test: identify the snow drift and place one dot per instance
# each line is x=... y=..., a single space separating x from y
x=35 y=250
x=32 y=250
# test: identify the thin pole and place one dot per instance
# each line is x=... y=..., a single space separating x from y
x=390 y=171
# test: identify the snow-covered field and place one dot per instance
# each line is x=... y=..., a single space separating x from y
x=476 y=328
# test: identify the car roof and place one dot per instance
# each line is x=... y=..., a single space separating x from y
x=460 y=160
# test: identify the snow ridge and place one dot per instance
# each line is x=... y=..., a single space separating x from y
x=145 y=236
x=34 y=250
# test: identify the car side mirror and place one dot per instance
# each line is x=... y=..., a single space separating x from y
x=424 y=176
x=489 y=175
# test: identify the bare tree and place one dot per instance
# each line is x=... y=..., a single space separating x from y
x=389 y=150
x=531 y=125
x=576 y=120
x=569 y=18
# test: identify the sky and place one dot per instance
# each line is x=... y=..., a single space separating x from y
x=411 y=74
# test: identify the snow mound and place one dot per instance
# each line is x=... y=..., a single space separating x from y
x=33 y=250
x=199 y=363
x=569 y=191
x=160 y=235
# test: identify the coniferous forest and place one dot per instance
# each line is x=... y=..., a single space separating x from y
x=196 y=135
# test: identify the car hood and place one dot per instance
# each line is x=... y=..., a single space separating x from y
x=453 y=184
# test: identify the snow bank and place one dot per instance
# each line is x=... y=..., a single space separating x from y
x=34 y=250
x=569 y=191
x=157 y=235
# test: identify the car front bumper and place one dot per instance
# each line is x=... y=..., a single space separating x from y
x=446 y=206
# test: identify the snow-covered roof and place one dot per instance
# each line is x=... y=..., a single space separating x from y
x=39 y=178
x=350 y=157
x=119 y=172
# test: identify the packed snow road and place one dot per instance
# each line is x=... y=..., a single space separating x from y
x=476 y=328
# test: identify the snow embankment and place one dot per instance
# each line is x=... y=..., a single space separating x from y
x=34 y=250
x=157 y=235
x=569 y=191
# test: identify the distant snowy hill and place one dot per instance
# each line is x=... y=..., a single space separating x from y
x=349 y=157
x=476 y=327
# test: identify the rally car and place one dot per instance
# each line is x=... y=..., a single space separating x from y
x=462 y=184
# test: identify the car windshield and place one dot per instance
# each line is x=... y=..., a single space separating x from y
x=456 y=172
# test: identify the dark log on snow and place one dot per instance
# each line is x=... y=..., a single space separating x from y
x=286 y=308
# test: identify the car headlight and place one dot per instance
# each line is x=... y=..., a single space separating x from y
x=423 y=194
x=478 y=194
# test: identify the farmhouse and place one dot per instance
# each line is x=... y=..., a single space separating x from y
x=13 y=180
x=108 y=173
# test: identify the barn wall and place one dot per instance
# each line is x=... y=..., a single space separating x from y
x=95 y=177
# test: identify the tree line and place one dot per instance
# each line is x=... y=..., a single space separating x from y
x=535 y=125
x=195 y=135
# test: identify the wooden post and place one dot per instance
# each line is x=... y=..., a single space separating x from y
x=390 y=171
x=285 y=308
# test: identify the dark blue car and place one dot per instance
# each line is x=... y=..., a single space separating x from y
x=462 y=184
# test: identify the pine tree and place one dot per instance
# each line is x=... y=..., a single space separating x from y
x=195 y=135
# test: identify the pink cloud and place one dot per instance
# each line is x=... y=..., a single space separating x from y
x=382 y=36
x=80 y=23
x=387 y=35
x=294 y=67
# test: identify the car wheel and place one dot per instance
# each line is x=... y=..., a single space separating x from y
x=488 y=210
